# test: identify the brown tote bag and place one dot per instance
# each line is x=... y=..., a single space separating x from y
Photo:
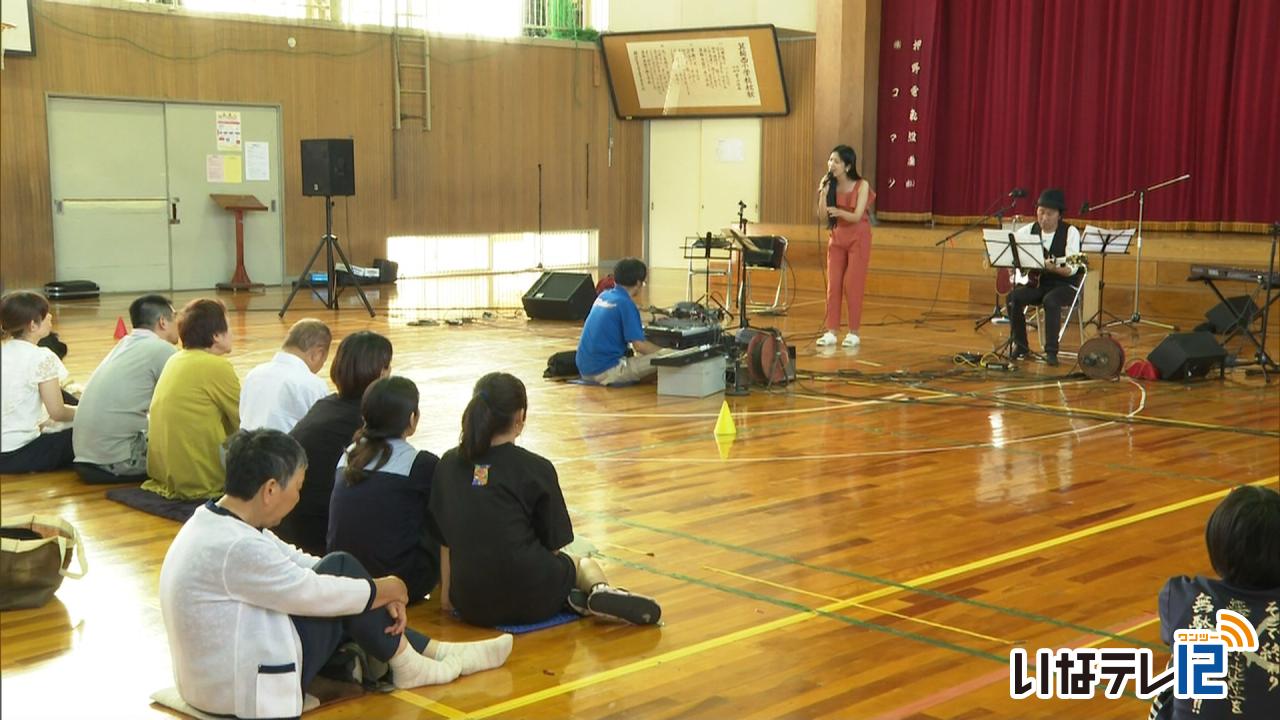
x=35 y=554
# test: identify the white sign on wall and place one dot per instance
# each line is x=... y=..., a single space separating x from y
x=703 y=72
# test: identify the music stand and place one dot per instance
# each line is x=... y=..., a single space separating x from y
x=707 y=251
x=1104 y=242
x=1019 y=251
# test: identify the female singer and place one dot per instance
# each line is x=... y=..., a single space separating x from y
x=843 y=199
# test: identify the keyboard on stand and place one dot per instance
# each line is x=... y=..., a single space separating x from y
x=1250 y=275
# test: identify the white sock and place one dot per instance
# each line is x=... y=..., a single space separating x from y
x=410 y=669
x=476 y=656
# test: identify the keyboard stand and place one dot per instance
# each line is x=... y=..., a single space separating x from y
x=1242 y=322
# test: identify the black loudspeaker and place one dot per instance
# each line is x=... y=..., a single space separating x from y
x=1185 y=355
x=1222 y=317
x=328 y=167
x=560 y=296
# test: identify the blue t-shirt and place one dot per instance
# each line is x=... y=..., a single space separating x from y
x=614 y=321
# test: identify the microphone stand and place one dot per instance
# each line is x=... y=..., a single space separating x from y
x=1136 y=317
x=990 y=213
x=999 y=216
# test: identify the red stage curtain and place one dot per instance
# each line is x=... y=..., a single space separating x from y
x=1097 y=97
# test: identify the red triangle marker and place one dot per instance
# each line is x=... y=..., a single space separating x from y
x=121 y=330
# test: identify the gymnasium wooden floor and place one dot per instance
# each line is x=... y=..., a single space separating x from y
x=873 y=546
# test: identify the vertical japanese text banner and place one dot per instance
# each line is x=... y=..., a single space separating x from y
x=908 y=99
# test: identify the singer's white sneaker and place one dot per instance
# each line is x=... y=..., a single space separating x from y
x=850 y=341
x=828 y=338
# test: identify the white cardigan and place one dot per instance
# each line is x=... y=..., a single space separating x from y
x=227 y=590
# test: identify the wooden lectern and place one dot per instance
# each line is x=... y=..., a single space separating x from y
x=238 y=204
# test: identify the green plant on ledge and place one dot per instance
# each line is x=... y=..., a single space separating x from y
x=562 y=22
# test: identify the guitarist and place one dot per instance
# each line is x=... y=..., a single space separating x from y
x=1057 y=286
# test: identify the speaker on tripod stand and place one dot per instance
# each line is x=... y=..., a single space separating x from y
x=328 y=169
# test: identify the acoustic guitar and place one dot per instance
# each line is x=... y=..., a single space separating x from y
x=1009 y=278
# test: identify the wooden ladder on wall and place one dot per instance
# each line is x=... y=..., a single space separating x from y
x=411 y=56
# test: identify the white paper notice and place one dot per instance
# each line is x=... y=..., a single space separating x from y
x=694 y=73
x=227 y=125
x=731 y=150
x=213 y=170
x=257 y=162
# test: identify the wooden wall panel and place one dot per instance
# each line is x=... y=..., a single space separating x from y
x=499 y=109
x=788 y=173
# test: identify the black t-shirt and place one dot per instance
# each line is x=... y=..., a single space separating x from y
x=503 y=519
x=382 y=520
x=1253 y=679
x=324 y=433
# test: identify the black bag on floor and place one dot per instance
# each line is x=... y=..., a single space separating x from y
x=71 y=289
x=562 y=364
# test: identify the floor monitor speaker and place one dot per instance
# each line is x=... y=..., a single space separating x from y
x=560 y=296
x=1222 y=317
x=1186 y=355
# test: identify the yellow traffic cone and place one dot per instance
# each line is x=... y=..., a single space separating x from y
x=723 y=444
x=724 y=423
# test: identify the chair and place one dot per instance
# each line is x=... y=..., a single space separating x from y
x=770 y=254
x=1037 y=312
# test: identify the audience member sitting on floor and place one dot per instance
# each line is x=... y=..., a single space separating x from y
x=379 y=508
x=1243 y=539
x=31 y=390
x=278 y=393
x=111 y=420
x=71 y=390
x=614 y=321
x=194 y=408
x=251 y=620
x=327 y=429
x=499 y=512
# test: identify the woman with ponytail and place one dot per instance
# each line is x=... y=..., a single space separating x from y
x=378 y=510
x=844 y=197
x=499 y=512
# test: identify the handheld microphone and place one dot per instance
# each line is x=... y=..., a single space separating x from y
x=1017 y=193
x=831 y=198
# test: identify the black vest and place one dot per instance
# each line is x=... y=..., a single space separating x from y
x=1057 y=249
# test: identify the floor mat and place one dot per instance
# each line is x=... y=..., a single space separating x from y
x=323 y=692
x=149 y=502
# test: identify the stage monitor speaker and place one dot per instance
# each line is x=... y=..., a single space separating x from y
x=328 y=167
x=1222 y=317
x=1185 y=355
x=560 y=296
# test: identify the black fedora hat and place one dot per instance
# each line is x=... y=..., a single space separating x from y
x=1053 y=198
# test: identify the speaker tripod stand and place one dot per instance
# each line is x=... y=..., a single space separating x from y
x=329 y=244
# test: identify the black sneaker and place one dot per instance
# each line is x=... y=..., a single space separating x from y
x=618 y=604
x=577 y=602
x=1051 y=359
x=1019 y=353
